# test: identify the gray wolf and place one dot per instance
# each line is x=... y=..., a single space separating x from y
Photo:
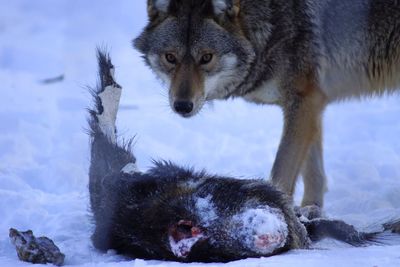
x=173 y=213
x=298 y=54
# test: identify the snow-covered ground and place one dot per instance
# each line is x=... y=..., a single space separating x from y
x=44 y=151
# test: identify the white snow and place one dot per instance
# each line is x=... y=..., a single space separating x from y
x=206 y=210
x=44 y=150
x=182 y=247
x=130 y=168
x=263 y=229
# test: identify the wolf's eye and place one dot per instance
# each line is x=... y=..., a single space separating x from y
x=170 y=58
x=205 y=59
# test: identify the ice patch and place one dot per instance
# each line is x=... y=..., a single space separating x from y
x=262 y=229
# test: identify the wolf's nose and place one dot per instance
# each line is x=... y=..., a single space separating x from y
x=183 y=107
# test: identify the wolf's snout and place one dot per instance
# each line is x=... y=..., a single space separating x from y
x=183 y=107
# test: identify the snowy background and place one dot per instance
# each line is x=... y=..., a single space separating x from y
x=44 y=151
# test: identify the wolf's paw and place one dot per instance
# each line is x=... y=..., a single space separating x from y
x=262 y=229
x=309 y=212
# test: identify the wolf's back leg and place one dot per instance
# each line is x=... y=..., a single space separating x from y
x=107 y=157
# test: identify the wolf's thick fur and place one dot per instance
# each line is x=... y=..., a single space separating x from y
x=298 y=54
x=172 y=213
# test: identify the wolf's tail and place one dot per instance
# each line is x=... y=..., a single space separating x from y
x=339 y=230
x=108 y=158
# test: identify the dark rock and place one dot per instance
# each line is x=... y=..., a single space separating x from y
x=40 y=250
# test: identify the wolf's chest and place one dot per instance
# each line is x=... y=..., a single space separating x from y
x=267 y=93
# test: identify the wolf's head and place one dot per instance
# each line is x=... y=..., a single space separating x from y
x=197 y=48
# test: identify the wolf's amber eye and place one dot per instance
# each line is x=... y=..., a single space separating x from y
x=205 y=59
x=170 y=58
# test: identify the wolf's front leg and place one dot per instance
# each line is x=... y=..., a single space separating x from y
x=314 y=174
x=302 y=115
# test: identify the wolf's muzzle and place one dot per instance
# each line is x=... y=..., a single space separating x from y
x=183 y=107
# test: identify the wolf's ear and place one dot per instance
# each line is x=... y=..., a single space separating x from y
x=229 y=7
x=154 y=7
